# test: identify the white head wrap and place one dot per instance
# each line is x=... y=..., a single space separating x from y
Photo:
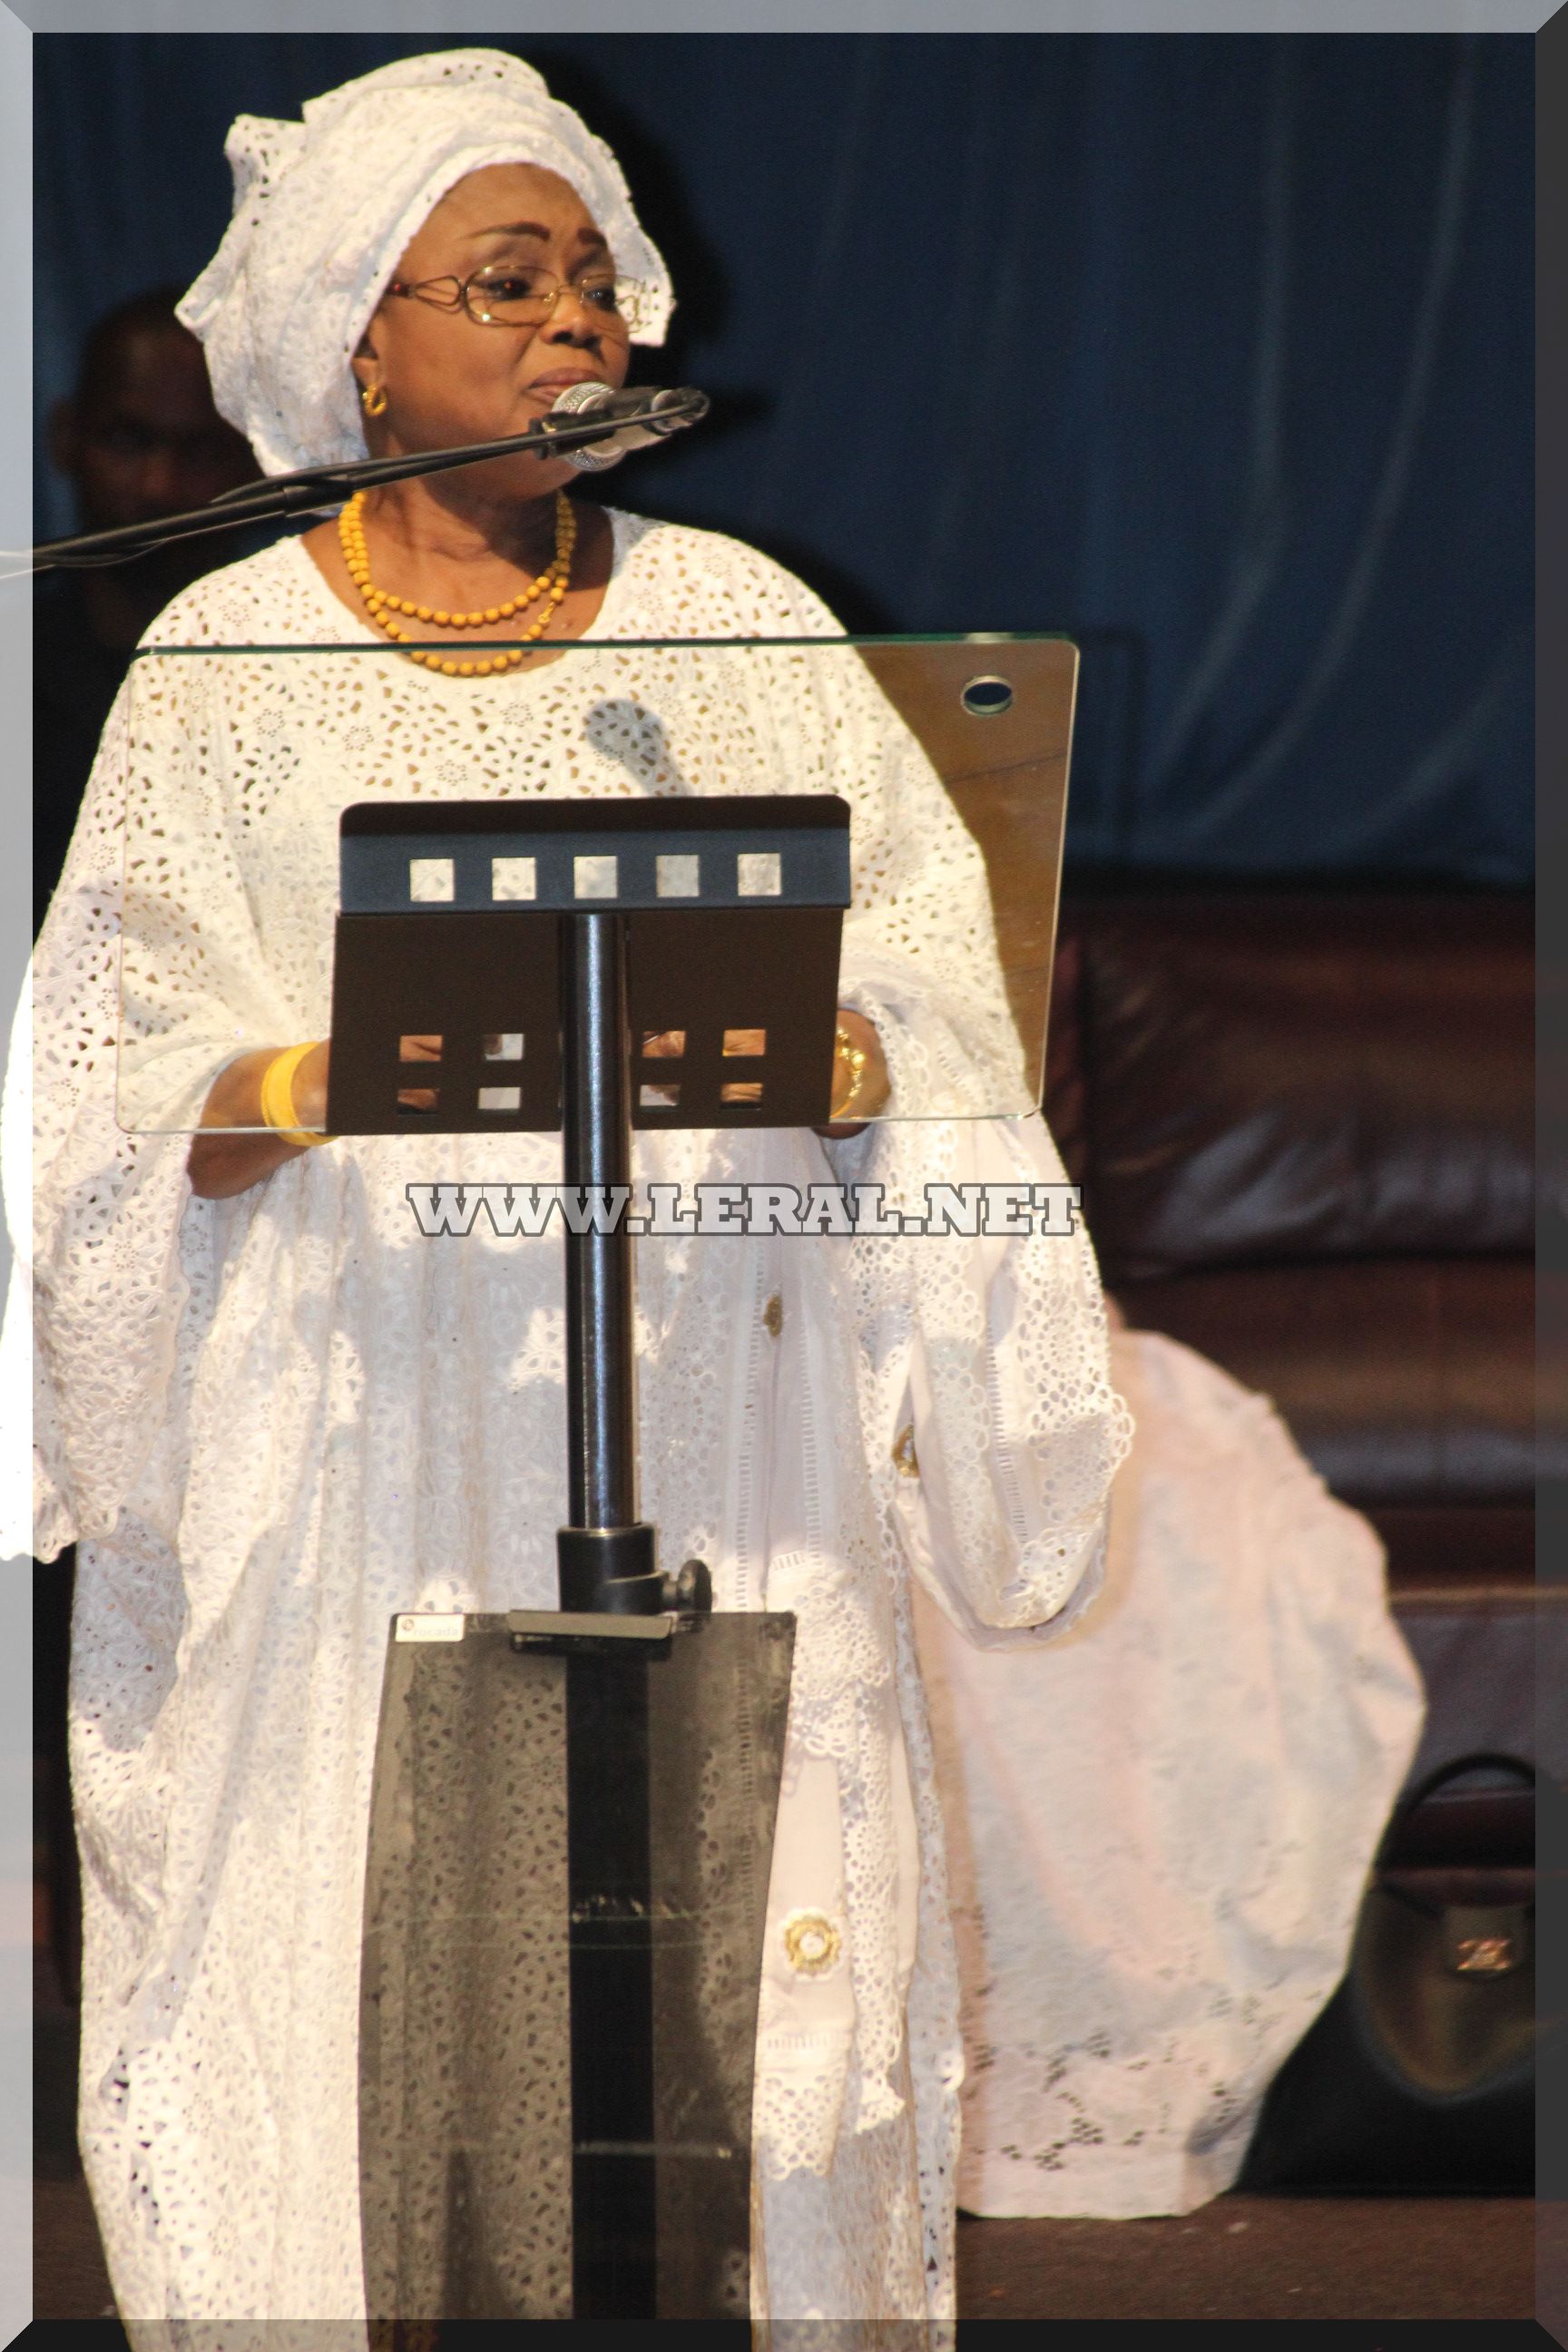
x=323 y=209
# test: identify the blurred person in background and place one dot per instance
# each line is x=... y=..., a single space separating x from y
x=138 y=438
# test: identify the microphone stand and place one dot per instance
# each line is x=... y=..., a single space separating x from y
x=317 y=490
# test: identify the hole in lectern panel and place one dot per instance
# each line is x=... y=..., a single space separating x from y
x=658 y=1097
x=513 y=878
x=412 y=1101
x=750 y=1042
x=741 y=1090
x=986 y=698
x=503 y=1045
x=678 y=877
x=595 y=877
x=663 y=1044
x=419 y=1049
x=430 y=881
x=758 y=874
x=500 y=1098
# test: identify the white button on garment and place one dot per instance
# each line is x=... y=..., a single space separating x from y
x=813 y=1944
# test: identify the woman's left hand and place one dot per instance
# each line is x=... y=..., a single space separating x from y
x=869 y=1095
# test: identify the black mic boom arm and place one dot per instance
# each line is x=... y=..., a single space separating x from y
x=320 y=489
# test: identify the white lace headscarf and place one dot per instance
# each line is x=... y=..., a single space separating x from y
x=323 y=209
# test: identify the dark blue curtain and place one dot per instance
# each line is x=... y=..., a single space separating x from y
x=1214 y=351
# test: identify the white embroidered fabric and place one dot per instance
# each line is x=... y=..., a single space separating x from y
x=1141 y=1944
x=275 y=1421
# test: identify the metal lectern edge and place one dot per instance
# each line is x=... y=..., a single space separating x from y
x=735 y=811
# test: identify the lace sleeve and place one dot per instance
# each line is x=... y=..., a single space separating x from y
x=991 y=1424
x=919 y=957
x=109 y=1275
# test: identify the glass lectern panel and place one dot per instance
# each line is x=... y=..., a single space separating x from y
x=318 y=834
x=566 y=1887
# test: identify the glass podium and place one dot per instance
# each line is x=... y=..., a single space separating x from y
x=952 y=754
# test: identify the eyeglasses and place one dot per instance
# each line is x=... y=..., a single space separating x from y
x=516 y=294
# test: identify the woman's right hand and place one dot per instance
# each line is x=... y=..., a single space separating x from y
x=227 y=1155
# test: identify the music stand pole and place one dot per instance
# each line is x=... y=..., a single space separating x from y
x=572 y=1809
x=605 y=1556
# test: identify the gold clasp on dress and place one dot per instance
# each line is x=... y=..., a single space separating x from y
x=813 y=1943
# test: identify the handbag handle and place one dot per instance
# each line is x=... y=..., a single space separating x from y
x=1488 y=1759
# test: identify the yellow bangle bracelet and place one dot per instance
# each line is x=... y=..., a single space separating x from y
x=278 y=1110
x=854 y=1058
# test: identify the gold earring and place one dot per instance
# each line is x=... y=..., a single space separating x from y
x=372 y=400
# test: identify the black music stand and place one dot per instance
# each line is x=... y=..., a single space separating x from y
x=572 y=1822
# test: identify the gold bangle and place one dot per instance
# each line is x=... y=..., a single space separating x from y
x=854 y=1056
x=277 y=1096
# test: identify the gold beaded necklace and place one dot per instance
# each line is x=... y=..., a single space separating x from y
x=381 y=605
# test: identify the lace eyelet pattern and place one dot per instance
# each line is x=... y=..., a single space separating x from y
x=277 y=1421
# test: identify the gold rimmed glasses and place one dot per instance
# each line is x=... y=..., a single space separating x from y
x=520 y=294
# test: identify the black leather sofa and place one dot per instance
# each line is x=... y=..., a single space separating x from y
x=1303 y=1126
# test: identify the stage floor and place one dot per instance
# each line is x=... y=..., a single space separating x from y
x=1257 y=2258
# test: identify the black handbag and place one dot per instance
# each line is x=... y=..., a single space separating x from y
x=1418 y=2074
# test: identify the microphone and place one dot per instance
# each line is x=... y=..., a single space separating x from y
x=651 y=417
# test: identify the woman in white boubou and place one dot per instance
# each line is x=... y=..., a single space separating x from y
x=267 y=1408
